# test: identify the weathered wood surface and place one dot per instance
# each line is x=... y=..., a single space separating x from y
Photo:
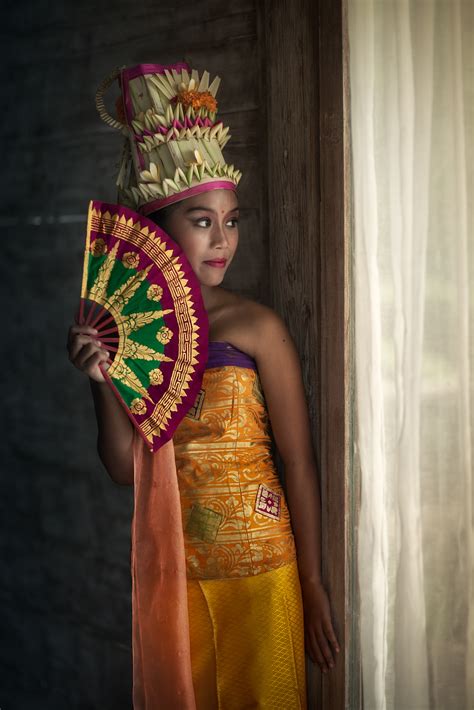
x=293 y=193
x=309 y=256
x=336 y=345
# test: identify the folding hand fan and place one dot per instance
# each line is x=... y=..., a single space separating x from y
x=140 y=293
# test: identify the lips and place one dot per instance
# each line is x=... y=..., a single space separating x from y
x=217 y=263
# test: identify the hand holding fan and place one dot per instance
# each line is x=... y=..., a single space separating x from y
x=140 y=293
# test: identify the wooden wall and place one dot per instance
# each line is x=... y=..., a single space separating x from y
x=309 y=257
x=65 y=585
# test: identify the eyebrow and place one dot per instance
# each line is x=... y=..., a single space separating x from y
x=208 y=209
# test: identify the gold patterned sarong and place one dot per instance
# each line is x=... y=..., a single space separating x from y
x=244 y=596
x=247 y=641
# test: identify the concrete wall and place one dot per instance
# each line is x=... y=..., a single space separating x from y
x=65 y=527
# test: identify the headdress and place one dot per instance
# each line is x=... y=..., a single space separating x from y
x=173 y=145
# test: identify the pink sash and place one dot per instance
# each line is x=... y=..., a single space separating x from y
x=162 y=678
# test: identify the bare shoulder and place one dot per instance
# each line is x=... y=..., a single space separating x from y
x=250 y=326
x=274 y=348
x=268 y=331
x=270 y=343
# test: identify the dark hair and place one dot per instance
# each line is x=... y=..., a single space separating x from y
x=160 y=216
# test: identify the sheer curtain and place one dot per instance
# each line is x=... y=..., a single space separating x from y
x=412 y=86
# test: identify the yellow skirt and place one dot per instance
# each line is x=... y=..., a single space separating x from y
x=247 y=641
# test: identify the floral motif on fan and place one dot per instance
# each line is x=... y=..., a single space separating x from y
x=141 y=295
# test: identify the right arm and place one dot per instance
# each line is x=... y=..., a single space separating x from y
x=115 y=430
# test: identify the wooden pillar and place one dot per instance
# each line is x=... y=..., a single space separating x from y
x=305 y=83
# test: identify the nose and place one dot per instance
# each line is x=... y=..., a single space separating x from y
x=219 y=236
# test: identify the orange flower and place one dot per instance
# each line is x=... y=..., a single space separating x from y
x=197 y=99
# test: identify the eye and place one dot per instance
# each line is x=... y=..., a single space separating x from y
x=203 y=219
x=234 y=220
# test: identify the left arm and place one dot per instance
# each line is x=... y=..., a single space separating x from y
x=280 y=374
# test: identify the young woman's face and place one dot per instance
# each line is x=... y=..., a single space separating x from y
x=206 y=228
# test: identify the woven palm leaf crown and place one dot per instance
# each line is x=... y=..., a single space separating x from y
x=173 y=146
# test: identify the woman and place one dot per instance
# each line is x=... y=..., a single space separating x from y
x=248 y=568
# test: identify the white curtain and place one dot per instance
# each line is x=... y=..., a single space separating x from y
x=412 y=124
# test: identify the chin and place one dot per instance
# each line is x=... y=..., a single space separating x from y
x=211 y=280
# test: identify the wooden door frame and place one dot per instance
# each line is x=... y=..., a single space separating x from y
x=306 y=146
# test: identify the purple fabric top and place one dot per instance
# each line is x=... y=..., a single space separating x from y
x=222 y=353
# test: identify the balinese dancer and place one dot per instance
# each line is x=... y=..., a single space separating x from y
x=253 y=598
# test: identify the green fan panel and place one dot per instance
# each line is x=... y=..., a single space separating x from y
x=138 y=303
x=95 y=262
x=120 y=274
x=127 y=394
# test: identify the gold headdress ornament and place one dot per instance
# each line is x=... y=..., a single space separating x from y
x=173 y=146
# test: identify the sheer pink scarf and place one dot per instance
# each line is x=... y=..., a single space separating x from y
x=162 y=678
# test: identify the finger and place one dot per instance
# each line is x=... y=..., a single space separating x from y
x=82 y=338
x=94 y=361
x=317 y=651
x=80 y=330
x=78 y=343
x=324 y=647
x=330 y=635
x=85 y=353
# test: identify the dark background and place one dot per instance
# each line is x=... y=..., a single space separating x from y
x=65 y=526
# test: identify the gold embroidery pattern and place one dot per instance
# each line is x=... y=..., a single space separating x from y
x=154 y=293
x=134 y=349
x=130 y=260
x=129 y=378
x=99 y=247
x=257 y=391
x=156 y=376
x=223 y=461
x=164 y=334
x=134 y=321
x=138 y=406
